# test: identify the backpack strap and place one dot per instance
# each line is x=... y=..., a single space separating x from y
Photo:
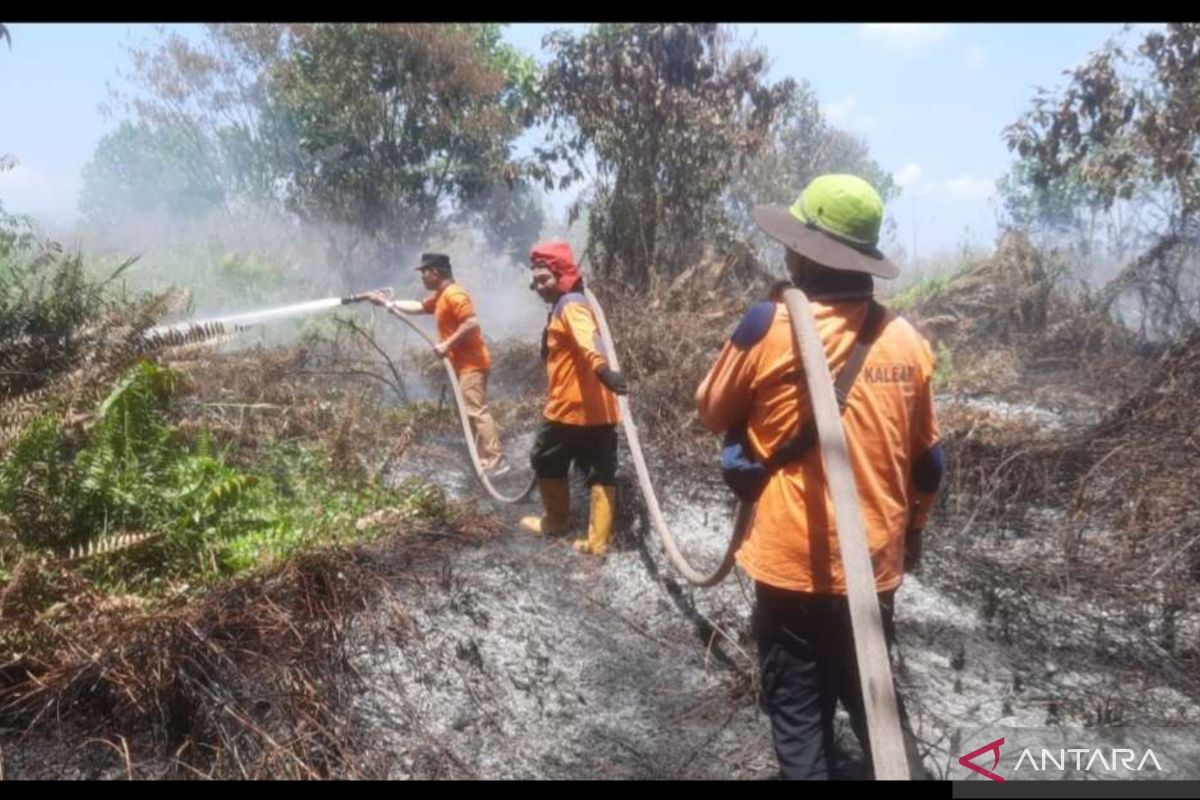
x=795 y=448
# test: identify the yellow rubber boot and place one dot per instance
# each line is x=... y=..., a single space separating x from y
x=556 y=499
x=600 y=522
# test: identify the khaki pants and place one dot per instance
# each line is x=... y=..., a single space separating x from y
x=487 y=440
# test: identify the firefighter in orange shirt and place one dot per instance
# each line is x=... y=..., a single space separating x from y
x=755 y=392
x=460 y=340
x=580 y=419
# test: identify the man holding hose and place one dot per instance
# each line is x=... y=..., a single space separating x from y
x=579 y=423
x=460 y=340
x=801 y=614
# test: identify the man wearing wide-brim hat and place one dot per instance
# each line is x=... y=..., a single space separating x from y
x=756 y=389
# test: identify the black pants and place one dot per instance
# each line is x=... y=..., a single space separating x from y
x=592 y=447
x=806 y=664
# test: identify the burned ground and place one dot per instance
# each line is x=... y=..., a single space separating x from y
x=1058 y=587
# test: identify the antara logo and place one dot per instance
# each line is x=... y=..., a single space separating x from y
x=1063 y=758
x=987 y=748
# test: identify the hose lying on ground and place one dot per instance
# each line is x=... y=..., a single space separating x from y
x=744 y=512
x=461 y=404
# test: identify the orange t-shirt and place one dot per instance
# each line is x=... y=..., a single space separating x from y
x=573 y=351
x=452 y=307
x=889 y=423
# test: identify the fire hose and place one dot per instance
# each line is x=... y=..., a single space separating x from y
x=461 y=405
x=870 y=645
x=882 y=710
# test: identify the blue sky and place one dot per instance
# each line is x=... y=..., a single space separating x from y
x=930 y=100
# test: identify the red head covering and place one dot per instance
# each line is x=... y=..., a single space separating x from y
x=556 y=257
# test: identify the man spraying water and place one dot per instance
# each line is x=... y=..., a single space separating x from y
x=461 y=341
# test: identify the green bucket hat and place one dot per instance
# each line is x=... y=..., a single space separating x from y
x=835 y=222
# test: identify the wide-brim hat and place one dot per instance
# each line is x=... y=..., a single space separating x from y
x=835 y=222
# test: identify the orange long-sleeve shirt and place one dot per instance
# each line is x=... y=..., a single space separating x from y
x=573 y=351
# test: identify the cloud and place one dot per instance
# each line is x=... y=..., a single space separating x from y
x=969 y=187
x=908 y=176
x=25 y=189
x=975 y=58
x=963 y=188
x=904 y=37
x=845 y=113
x=838 y=110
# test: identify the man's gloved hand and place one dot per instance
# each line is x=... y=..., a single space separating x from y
x=612 y=379
x=912 y=550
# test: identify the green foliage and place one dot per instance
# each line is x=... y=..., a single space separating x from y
x=16 y=232
x=34 y=477
x=923 y=290
x=947 y=372
x=799 y=146
x=133 y=472
x=215 y=277
x=1123 y=131
x=1055 y=204
x=52 y=311
x=390 y=130
x=139 y=169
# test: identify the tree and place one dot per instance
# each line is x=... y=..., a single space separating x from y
x=800 y=145
x=511 y=219
x=668 y=111
x=16 y=230
x=1068 y=214
x=395 y=124
x=1125 y=135
x=138 y=169
x=215 y=94
x=391 y=130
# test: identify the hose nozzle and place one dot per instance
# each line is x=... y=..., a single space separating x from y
x=361 y=296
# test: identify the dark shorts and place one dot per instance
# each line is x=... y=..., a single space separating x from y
x=593 y=448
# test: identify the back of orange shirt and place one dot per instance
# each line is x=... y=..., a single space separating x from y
x=889 y=423
x=452 y=307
